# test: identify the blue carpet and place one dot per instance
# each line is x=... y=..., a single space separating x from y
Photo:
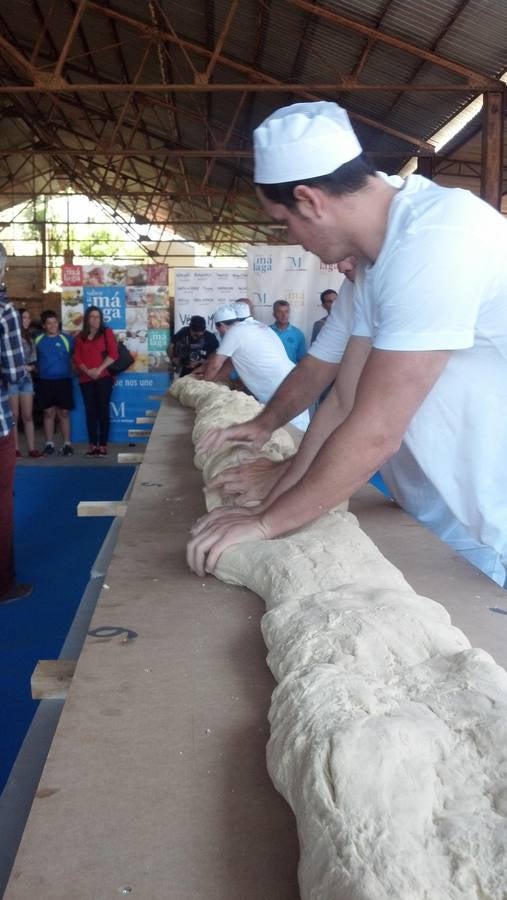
x=55 y=551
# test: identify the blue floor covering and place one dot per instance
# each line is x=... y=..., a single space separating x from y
x=55 y=551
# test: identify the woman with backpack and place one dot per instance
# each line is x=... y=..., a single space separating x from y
x=95 y=350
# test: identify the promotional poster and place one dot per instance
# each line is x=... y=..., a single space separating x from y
x=135 y=303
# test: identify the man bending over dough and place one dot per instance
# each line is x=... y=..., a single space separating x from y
x=255 y=352
x=422 y=386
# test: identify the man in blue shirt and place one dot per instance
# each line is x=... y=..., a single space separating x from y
x=291 y=337
x=55 y=393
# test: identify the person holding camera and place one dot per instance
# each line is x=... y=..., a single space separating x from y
x=191 y=345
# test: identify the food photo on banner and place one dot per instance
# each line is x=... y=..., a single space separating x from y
x=135 y=304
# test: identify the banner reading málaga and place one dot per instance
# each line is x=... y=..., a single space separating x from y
x=135 y=303
x=289 y=273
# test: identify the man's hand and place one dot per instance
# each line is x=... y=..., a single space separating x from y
x=204 y=550
x=218 y=514
x=199 y=370
x=252 y=432
x=250 y=481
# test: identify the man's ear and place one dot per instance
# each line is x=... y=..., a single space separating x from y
x=310 y=201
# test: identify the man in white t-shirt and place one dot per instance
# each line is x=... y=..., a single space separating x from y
x=344 y=312
x=256 y=353
x=422 y=388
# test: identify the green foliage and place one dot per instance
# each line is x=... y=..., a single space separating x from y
x=98 y=245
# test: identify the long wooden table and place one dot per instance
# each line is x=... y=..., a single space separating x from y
x=155 y=786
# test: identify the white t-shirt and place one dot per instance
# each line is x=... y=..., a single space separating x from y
x=440 y=283
x=330 y=343
x=260 y=360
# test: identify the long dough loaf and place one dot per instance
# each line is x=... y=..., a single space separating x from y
x=388 y=731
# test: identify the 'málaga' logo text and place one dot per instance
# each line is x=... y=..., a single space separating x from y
x=111 y=300
x=263 y=264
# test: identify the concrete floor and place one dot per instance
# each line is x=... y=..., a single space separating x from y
x=79 y=458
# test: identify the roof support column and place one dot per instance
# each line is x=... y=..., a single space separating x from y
x=425 y=166
x=492 y=148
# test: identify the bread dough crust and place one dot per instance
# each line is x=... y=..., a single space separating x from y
x=388 y=731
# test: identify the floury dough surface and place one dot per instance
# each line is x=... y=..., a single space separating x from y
x=357 y=631
x=399 y=786
x=388 y=731
x=219 y=460
x=216 y=407
x=329 y=553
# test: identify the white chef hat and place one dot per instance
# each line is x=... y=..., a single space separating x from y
x=225 y=313
x=304 y=140
x=243 y=310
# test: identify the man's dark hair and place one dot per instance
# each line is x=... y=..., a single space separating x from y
x=47 y=314
x=279 y=303
x=326 y=294
x=347 y=179
x=198 y=323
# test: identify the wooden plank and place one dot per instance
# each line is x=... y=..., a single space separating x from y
x=434 y=570
x=130 y=458
x=51 y=678
x=101 y=508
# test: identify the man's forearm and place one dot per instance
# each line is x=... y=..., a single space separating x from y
x=328 y=417
x=377 y=411
x=346 y=460
x=213 y=366
x=302 y=387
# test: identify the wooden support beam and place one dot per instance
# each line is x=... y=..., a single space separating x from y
x=130 y=459
x=51 y=678
x=492 y=148
x=252 y=74
x=101 y=508
x=263 y=87
x=78 y=15
x=425 y=166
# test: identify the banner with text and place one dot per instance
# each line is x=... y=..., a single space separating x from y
x=199 y=292
x=135 y=303
x=289 y=273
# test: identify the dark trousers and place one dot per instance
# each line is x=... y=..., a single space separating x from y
x=7 y=466
x=96 y=397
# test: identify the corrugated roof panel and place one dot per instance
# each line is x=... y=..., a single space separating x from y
x=274 y=39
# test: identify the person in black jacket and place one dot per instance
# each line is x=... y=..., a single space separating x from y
x=191 y=345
